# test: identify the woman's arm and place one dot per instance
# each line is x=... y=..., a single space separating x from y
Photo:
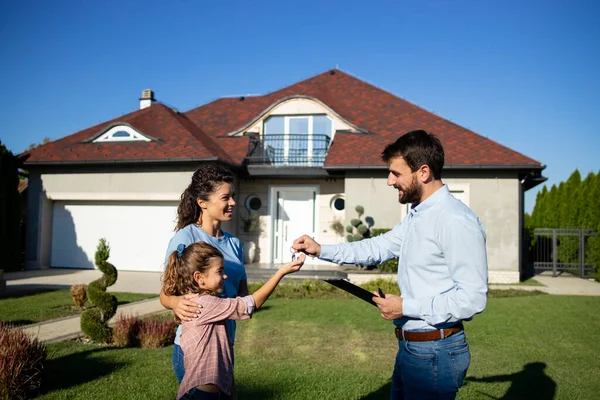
x=184 y=308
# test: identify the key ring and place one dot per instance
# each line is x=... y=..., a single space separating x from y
x=294 y=254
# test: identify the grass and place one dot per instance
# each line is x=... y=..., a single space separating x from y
x=526 y=282
x=340 y=348
x=31 y=307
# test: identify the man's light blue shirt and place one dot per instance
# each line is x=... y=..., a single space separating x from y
x=442 y=261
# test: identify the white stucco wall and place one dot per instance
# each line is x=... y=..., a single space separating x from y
x=378 y=199
x=46 y=188
x=494 y=200
x=327 y=189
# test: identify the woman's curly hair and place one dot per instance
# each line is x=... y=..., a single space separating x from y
x=205 y=181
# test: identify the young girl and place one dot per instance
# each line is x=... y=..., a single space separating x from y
x=208 y=352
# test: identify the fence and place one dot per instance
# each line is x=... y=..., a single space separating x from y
x=561 y=250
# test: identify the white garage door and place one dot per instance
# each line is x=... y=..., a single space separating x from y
x=138 y=233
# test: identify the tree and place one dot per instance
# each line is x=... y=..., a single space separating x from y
x=568 y=205
x=32 y=146
x=536 y=215
x=10 y=210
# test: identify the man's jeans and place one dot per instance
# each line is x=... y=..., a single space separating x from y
x=430 y=370
x=178 y=362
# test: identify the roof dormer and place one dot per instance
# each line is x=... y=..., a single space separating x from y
x=121 y=133
x=298 y=106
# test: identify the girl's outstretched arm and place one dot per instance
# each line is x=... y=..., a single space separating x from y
x=262 y=294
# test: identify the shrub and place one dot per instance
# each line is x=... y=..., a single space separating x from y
x=156 y=332
x=337 y=226
x=126 y=331
x=297 y=290
x=387 y=285
x=386 y=266
x=389 y=266
x=21 y=363
x=79 y=295
x=94 y=321
x=378 y=231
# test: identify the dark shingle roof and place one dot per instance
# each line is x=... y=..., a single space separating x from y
x=201 y=133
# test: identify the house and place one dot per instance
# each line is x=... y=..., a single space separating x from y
x=304 y=157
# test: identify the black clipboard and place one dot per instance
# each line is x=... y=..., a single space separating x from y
x=352 y=289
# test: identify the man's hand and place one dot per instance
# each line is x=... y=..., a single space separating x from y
x=390 y=307
x=307 y=245
x=184 y=308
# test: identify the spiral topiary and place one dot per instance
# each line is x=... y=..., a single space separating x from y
x=94 y=321
x=357 y=230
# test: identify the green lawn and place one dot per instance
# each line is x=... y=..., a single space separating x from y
x=339 y=348
x=31 y=307
x=526 y=282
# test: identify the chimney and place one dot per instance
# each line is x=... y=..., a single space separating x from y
x=147 y=98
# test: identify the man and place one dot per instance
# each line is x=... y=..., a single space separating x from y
x=442 y=271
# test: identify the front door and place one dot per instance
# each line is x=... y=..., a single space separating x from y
x=294 y=217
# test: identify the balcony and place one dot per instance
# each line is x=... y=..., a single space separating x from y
x=283 y=150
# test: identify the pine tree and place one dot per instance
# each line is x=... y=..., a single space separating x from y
x=569 y=205
x=549 y=210
x=586 y=210
x=593 y=221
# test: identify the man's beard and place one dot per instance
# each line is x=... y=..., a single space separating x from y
x=411 y=194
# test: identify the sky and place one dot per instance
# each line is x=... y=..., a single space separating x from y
x=522 y=73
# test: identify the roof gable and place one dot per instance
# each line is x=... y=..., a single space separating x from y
x=374 y=110
x=173 y=137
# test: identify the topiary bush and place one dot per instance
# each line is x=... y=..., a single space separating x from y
x=94 y=321
x=79 y=295
x=21 y=363
x=359 y=230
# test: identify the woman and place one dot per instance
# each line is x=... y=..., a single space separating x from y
x=205 y=204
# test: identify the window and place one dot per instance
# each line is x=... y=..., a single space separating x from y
x=338 y=204
x=297 y=139
x=253 y=203
x=122 y=133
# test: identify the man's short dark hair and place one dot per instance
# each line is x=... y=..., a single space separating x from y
x=417 y=148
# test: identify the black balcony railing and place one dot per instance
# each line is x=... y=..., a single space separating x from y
x=288 y=150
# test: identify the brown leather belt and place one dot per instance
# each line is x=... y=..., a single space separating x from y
x=428 y=335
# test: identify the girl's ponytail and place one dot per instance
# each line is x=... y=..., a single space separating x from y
x=174 y=275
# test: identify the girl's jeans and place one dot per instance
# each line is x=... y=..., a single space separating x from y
x=430 y=370
x=196 y=394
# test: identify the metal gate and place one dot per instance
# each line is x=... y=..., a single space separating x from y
x=561 y=250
